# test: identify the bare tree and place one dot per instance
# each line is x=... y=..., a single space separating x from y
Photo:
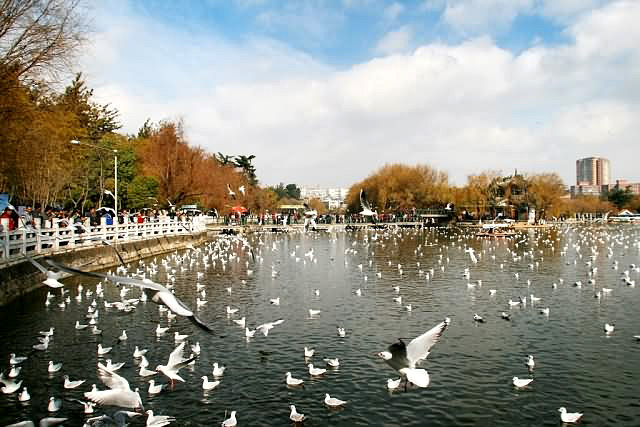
x=39 y=38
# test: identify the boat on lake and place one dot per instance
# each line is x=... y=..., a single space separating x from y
x=497 y=229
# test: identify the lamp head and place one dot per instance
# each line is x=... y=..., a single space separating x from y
x=75 y=141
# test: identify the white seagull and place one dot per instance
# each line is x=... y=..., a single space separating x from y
x=293 y=381
x=119 y=393
x=569 y=417
x=393 y=384
x=52 y=278
x=232 y=193
x=155 y=388
x=72 y=384
x=530 y=363
x=403 y=358
x=315 y=371
x=231 y=421
x=218 y=371
x=519 y=383
x=158 y=420
x=208 y=385
x=295 y=416
x=154 y=291
x=332 y=401
x=366 y=207
x=266 y=327
x=54 y=367
x=174 y=364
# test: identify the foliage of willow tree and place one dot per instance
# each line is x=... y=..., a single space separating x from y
x=475 y=196
x=398 y=187
x=545 y=193
x=318 y=205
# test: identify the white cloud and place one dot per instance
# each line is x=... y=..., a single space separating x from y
x=565 y=10
x=470 y=17
x=395 y=41
x=394 y=10
x=461 y=108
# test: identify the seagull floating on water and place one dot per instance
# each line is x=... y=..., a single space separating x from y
x=231 y=421
x=293 y=381
x=519 y=383
x=158 y=420
x=208 y=385
x=72 y=384
x=393 y=384
x=530 y=363
x=156 y=292
x=295 y=416
x=332 y=401
x=315 y=371
x=218 y=371
x=569 y=417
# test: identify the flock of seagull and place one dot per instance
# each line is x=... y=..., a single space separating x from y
x=403 y=358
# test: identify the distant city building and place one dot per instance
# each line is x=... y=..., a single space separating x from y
x=332 y=197
x=593 y=177
x=593 y=171
x=623 y=184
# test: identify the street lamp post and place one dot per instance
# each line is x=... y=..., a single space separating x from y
x=115 y=156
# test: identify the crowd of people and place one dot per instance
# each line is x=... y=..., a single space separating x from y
x=51 y=217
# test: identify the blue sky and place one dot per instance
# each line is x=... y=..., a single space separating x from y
x=325 y=92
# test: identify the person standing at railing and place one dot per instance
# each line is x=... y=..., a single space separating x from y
x=27 y=217
x=7 y=215
x=94 y=218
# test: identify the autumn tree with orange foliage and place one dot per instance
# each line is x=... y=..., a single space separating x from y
x=398 y=187
x=187 y=174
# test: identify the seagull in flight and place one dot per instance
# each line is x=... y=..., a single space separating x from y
x=119 y=393
x=175 y=363
x=232 y=193
x=52 y=277
x=266 y=327
x=154 y=291
x=404 y=358
x=366 y=207
x=241 y=189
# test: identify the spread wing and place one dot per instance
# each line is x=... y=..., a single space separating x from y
x=157 y=292
x=111 y=379
x=111 y=277
x=363 y=200
x=36 y=264
x=175 y=358
x=418 y=348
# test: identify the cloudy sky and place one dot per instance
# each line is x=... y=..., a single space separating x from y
x=325 y=92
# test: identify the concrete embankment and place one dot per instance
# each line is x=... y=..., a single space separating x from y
x=19 y=278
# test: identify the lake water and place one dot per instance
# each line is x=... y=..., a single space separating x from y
x=577 y=365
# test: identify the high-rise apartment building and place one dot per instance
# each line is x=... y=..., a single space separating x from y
x=593 y=171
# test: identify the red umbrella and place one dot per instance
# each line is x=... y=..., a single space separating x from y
x=239 y=209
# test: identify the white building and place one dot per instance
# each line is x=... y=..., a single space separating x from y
x=332 y=197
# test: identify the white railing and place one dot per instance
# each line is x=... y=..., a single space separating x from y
x=33 y=241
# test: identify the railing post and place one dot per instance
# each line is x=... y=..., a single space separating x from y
x=5 y=242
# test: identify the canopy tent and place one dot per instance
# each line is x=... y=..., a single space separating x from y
x=239 y=209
